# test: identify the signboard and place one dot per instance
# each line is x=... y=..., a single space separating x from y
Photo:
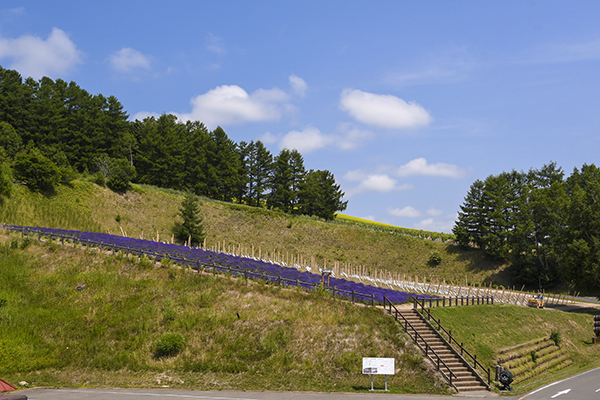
x=379 y=366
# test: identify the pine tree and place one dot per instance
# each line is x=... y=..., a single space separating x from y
x=319 y=195
x=191 y=230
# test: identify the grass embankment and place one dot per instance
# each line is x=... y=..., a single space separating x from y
x=487 y=329
x=238 y=334
x=150 y=212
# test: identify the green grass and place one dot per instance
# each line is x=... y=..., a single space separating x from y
x=137 y=325
x=487 y=329
x=149 y=212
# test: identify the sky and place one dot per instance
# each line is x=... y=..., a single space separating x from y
x=407 y=103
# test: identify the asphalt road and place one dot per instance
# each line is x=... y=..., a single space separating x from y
x=584 y=386
x=149 y=394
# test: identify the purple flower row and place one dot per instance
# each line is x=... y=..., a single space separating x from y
x=199 y=258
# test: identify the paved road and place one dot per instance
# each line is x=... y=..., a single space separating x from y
x=150 y=394
x=579 y=387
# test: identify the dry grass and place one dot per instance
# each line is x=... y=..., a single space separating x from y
x=147 y=212
x=54 y=335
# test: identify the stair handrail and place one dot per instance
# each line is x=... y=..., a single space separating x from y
x=451 y=339
x=417 y=336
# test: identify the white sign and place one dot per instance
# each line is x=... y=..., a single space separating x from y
x=379 y=366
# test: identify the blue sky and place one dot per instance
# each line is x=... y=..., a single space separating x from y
x=406 y=102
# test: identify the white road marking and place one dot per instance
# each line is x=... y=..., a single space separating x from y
x=559 y=393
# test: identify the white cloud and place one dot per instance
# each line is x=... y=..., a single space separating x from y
x=298 y=85
x=230 y=104
x=419 y=166
x=552 y=53
x=128 y=60
x=434 y=212
x=351 y=136
x=306 y=141
x=142 y=115
x=449 y=66
x=384 y=111
x=215 y=44
x=35 y=57
x=269 y=138
x=406 y=212
x=437 y=225
x=381 y=183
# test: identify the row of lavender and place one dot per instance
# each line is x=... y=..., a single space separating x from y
x=198 y=259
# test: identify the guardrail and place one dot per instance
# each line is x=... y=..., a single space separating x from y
x=415 y=336
x=464 y=300
x=451 y=341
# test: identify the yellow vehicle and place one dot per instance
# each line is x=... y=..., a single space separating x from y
x=536 y=301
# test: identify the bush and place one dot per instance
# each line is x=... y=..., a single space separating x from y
x=556 y=337
x=435 y=258
x=37 y=171
x=169 y=344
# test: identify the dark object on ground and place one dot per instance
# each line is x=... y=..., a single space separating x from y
x=13 y=396
x=506 y=378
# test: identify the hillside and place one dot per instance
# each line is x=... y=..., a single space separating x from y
x=149 y=212
x=71 y=317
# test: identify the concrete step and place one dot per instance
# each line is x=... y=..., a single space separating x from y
x=464 y=379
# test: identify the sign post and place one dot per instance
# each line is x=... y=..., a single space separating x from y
x=379 y=366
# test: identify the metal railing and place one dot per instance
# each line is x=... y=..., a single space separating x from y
x=452 y=341
x=199 y=266
x=415 y=336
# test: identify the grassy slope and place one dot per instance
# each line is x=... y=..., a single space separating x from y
x=127 y=305
x=488 y=329
x=52 y=334
x=148 y=211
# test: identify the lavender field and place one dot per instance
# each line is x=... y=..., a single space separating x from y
x=200 y=259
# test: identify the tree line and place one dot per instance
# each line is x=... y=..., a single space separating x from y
x=50 y=131
x=547 y=226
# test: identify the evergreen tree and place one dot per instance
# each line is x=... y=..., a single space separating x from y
x=260 y=165
x=191 y=230
x=288 y=173
x=227 y=165
x=579 y=242
x=10 y=139
x=319 y=195
x=472 y=217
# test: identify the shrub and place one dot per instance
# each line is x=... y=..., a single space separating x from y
x=37 y=171
x=556 y=337
x=534 y=356
x=169 y=344
x=435 y=258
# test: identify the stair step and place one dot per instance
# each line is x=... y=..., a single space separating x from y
x=463 y=379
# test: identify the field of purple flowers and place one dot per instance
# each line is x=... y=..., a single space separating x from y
x=200 y=259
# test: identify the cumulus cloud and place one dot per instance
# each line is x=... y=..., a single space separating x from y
x=306 y=141
x=385 y=111
x=406 y=212
x=419 y=166
x=230 y=104
x=36 y=57
x=128 y=60
x=142 y=115
x=298 y=85
x=437 y=225
x=377 y=182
